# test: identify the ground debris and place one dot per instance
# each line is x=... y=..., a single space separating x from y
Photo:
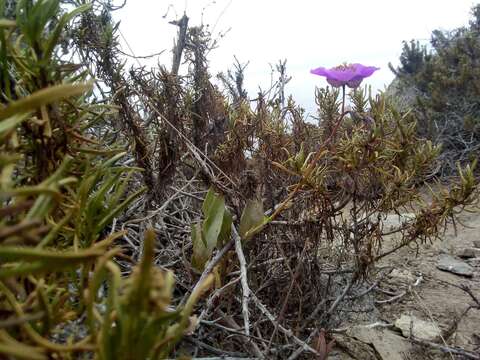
x=404 y=276
x=355 y=348
x=421 y=329
x=388 y=345
x=455 y=266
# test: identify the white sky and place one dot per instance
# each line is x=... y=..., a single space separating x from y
x=308 y=33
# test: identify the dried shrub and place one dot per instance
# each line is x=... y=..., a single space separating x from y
x=285 y=220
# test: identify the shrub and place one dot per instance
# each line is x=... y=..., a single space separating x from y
x=102 y=180
x=60 y=189
x=442 y=83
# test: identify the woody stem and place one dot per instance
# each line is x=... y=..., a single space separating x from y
x=343 y=99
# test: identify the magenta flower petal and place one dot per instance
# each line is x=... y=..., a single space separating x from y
x=350 y=75
x=335 y=83
x=354 y=83
x=364 y=71
x=319 y=71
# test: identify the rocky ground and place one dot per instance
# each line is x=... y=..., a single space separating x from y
x=423 y=295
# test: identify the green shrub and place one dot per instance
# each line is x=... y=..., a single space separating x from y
x=442 y=84
x=60 y=189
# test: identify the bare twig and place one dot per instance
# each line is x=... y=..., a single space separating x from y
x=287 y=332
x=332 y=308
x=213 y=298
x=244 y=279
x=211 y=264
x=445 y=348
x=182 y=24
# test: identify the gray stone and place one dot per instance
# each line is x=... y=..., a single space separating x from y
x=355 y=348
x=475 y=262
x=458 y=267
x=421 y=329
x=468 y=253
x=476 y=244
x=387 y=344
x=393 y=221
x=390 y=221
x=402 y=275
x=339 y=355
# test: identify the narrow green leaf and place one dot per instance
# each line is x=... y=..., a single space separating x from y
x=22 y=351
x=200 y=252
x=226 y=230
x=109 y=217
x=11 y=123
x=54 y=37
x=13 y=253
x=5 y=23
x=42 y=97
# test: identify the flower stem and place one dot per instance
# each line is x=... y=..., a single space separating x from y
x=343 y=99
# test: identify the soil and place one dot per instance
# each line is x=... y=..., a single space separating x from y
x=435 y=299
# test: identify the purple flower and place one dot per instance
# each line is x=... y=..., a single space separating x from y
x=346 y=74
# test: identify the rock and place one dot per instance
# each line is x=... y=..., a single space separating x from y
x=468 y=253
x=402 y=275
x=394 y=221
x=390 y=221
x=461 y=339
x=475 y=262
x=355 y=348
x=476 y=244
x=387 y=344
x=458 y=267
x=339 y=355
x=421 y=329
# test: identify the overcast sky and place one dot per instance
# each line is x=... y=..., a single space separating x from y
x=308 y=34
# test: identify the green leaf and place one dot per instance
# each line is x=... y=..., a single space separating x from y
x=215 y=229
x=13 y=253
x=201 y=253
x=214 y=210
x=109 y=217
x=121 y=188
x=42 y=97
x=54 y=38
x=300 y=158
x=252 y=219
x=17 y=350
x=33 y=18
x=207 y=203
x=226 y=230
x=4 y=23
x=11 y=123
x=44 y=202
